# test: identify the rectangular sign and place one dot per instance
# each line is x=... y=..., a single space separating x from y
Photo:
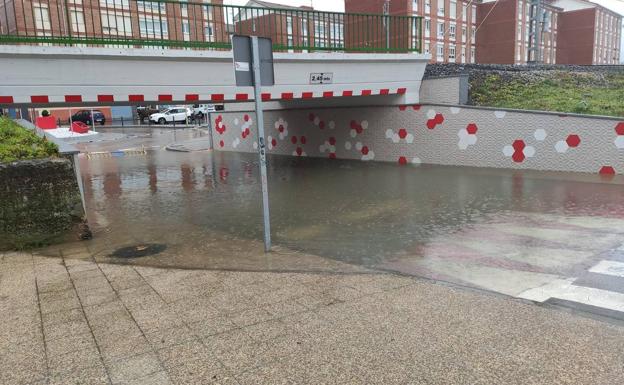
x=241 y=66
x=243 y=62
x=321 y=78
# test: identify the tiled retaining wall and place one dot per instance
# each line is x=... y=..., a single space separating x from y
x=434 y=134
x=444 y=90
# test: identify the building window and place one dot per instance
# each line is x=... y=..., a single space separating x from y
x=337 y=34
x=463 y=54
x=152 y=27
x=42 y=16
x=440 y=52
x=547 y=15
x=472 y=55
x=207 y=11
x=440 y=30
x=464 y=12
x=319 y=34
x=453 y=10
x=452 y=31
x=464 y=34
x=427 y=27
x=304 y=31
x=440 y=7
x=290 y=42
x=77 y=20
x=427 y=48
x=114 y=23
x=148 y=6
x=451 y=56
x=208 y=33
x=415 y=5
x=116 y=4
x=428 y=7
x=474 y=14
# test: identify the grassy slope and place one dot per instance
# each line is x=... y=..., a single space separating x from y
x=17 y=143
x=583 y=93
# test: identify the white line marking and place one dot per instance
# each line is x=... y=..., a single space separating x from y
x=609 y=268
x=564 y=289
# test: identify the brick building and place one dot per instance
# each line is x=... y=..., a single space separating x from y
x=448 y=27
x=294 y=27
x=588 y=33
x=573 y=32
x=504 y=35
x=103 y=19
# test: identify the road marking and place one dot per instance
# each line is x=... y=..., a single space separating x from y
x=564 y=289
x=609 y=268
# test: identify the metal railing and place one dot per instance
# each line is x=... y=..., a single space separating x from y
x=198 y=25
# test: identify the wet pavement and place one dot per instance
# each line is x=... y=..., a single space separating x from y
x=535 y=235
x=76 y=321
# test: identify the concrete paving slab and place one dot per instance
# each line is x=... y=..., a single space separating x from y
x=386 y=329
x=133 y=367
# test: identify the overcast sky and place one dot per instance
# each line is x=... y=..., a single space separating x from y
x=338 y=6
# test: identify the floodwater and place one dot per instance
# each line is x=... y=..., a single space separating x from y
x=502 y=230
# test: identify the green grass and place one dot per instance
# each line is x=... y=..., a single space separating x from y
x=18 y=143
x=583 y=93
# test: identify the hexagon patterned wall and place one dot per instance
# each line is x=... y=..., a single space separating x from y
x=434 y=134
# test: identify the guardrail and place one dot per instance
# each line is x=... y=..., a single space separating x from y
x=200 y=26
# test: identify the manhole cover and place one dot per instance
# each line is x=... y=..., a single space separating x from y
x=137 y=251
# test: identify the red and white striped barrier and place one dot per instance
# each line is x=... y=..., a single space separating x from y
x=193 y=98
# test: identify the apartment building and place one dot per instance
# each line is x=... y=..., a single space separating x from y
x=290 y=27
x=102 y=19
x=448 y=25
x=504 y=35
x=573 y=32
x=589 y=33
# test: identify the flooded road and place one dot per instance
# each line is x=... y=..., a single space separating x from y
x=500 y=230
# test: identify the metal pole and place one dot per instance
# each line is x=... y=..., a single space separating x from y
x=255 y=55
x=210 y=138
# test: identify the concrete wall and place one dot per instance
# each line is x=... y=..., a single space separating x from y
x=447 y=90
x=39 y=203
x=107 y=76
x=434 y=134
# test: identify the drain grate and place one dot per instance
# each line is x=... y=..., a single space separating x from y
x=138 y=251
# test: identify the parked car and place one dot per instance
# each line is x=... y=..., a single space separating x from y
x=86 y=117
x=200 y=110
x=176 y=114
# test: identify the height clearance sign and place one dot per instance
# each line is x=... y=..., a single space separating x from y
x=253 y=67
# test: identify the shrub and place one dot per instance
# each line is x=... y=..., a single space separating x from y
x=18 y=143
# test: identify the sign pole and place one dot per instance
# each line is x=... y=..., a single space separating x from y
x=255 y=52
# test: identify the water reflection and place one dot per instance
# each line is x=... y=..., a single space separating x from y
x=366 y=214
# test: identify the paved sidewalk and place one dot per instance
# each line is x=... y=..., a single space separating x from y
x=72 y=321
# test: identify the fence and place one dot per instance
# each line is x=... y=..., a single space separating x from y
x=196 y=25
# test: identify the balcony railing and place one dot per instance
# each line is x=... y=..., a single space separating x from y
x=200 y=26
